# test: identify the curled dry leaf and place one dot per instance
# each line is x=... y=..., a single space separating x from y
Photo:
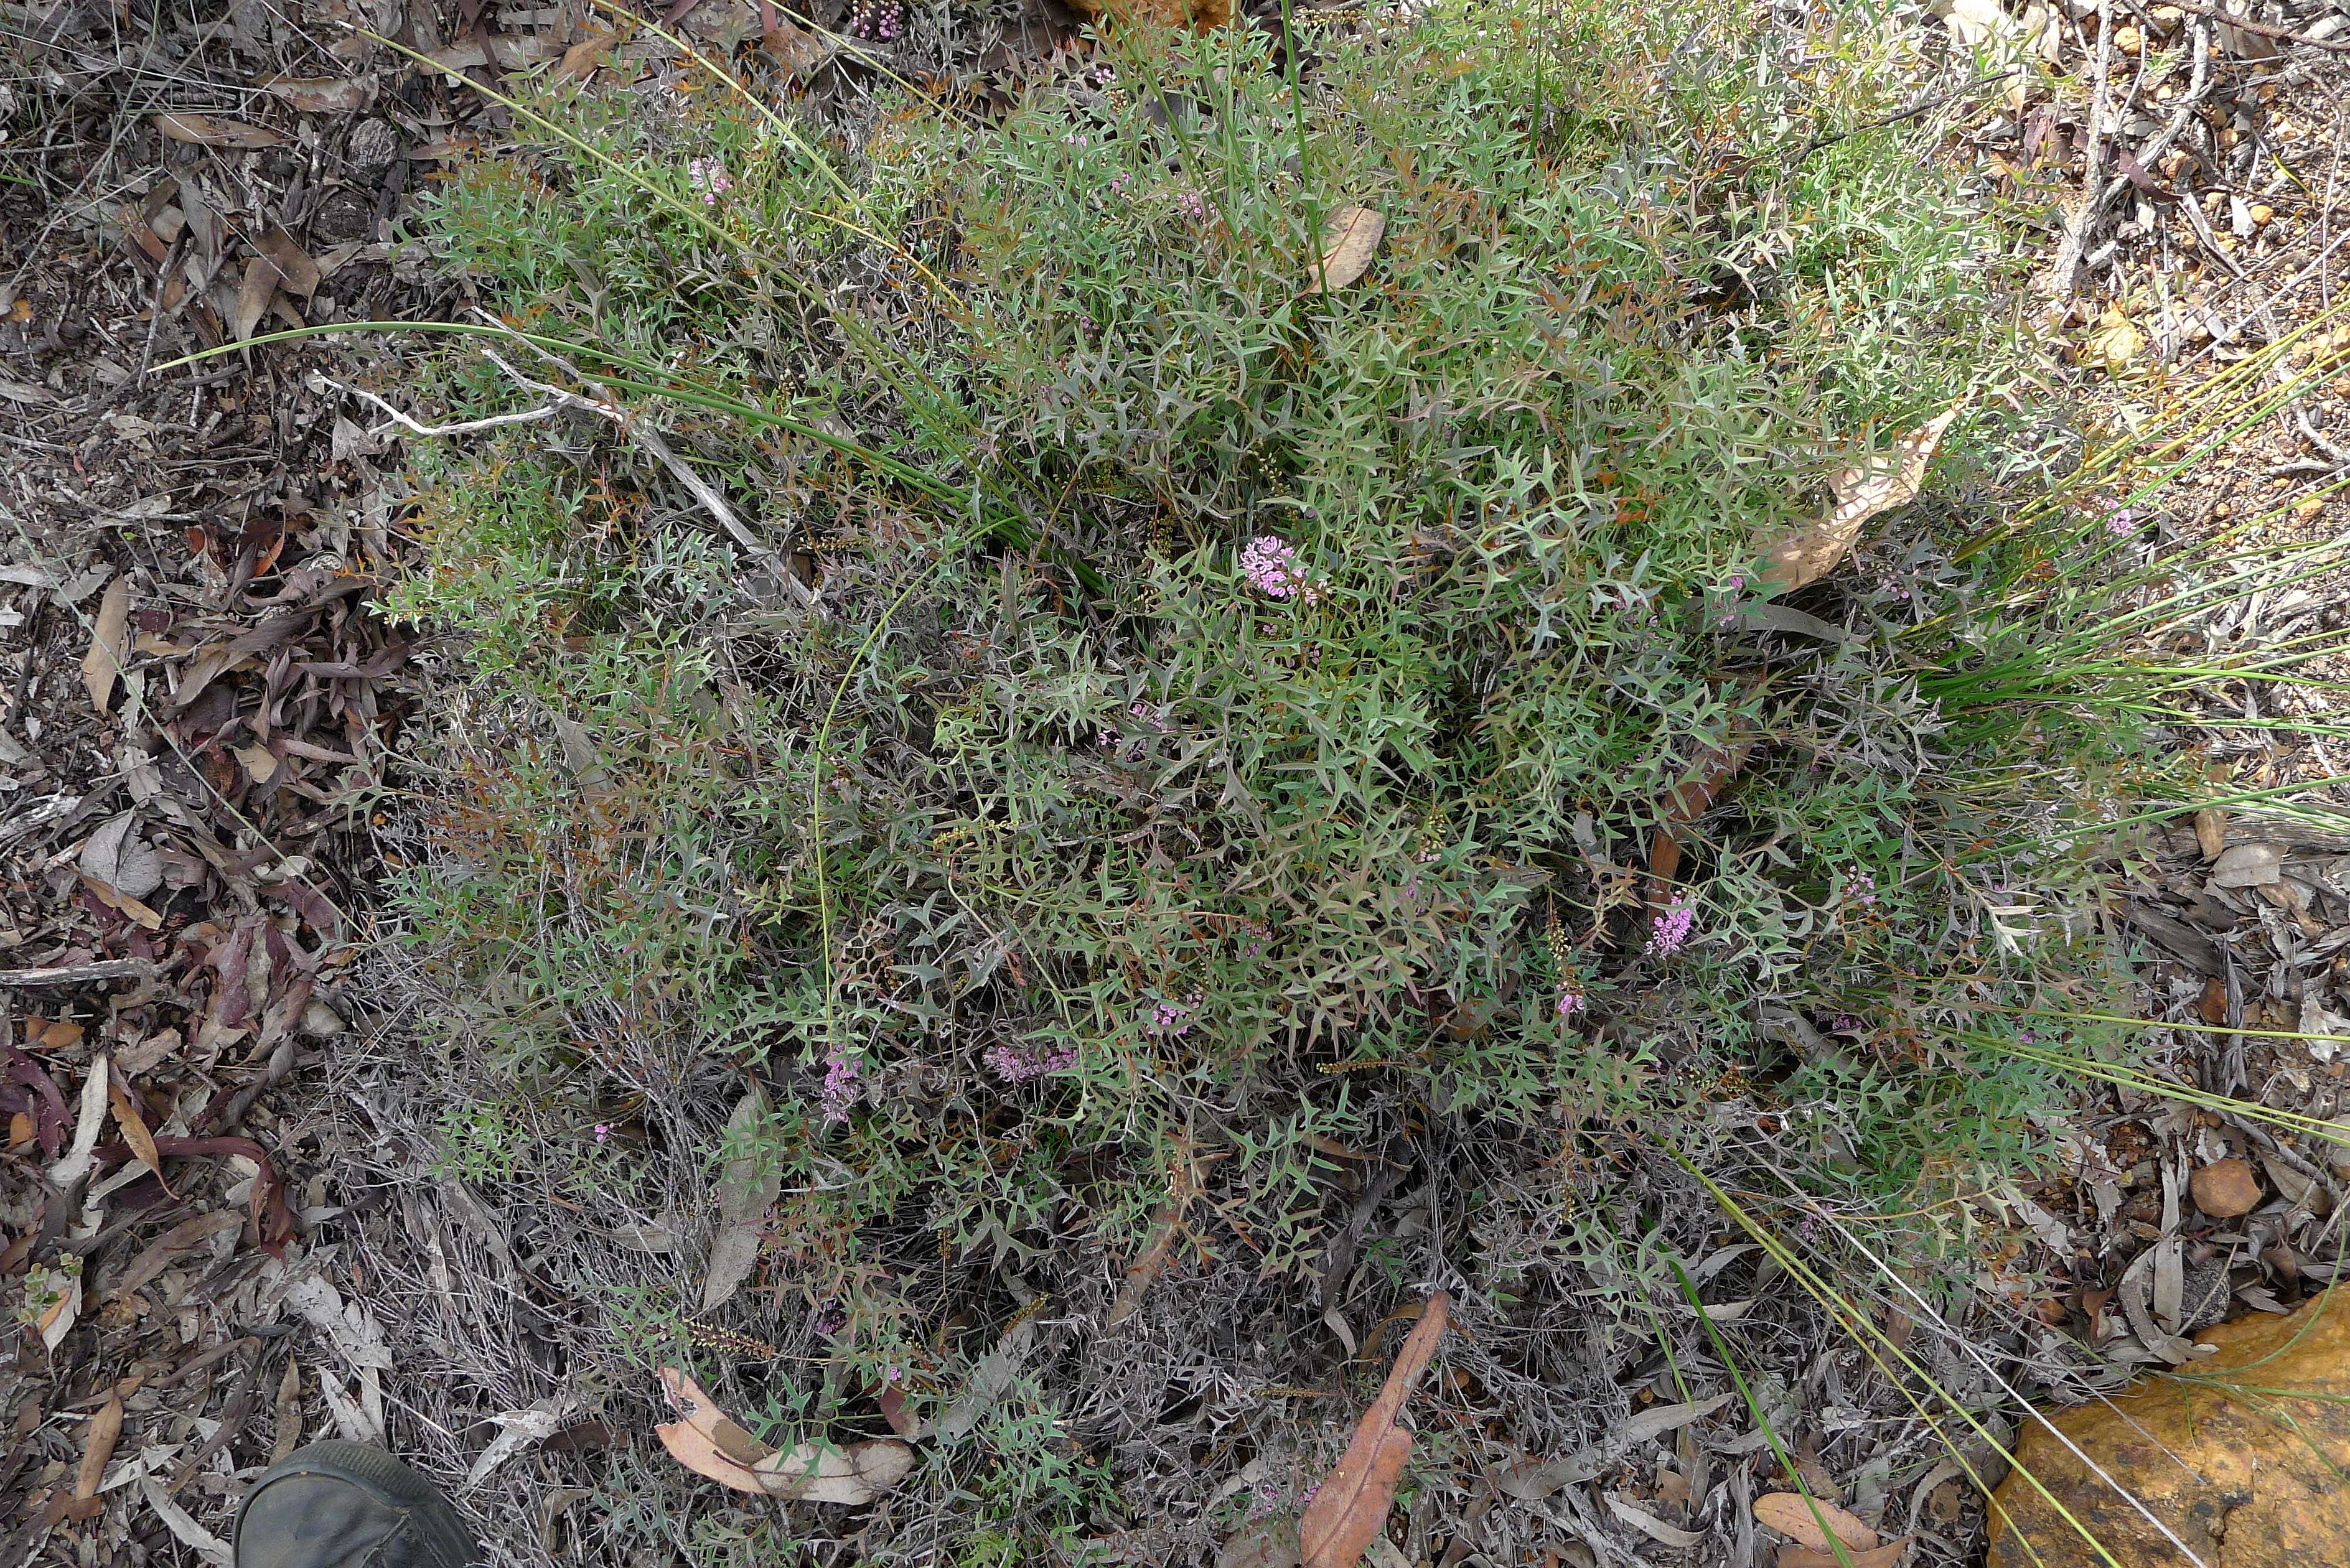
x=135 y=1133
x=1351 y=1505
x=709 y=1442
x=746 y=1189
x=1791 y=1514
x=1349 y=237
x=1888 y=480
x=323 y=94
x=212 y=131
x=108 y=643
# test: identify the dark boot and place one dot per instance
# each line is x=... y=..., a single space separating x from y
x=346 y=1505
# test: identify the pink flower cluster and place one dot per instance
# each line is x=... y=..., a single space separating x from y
x=1271 y=563
x=709 y=176
x=1859 y=888
x=1193 y=205
x=841 y=1078
x=1670 y=931
x=1571 y=999
x=1016 y=1067
x=881 y=20
x=1173 y=1019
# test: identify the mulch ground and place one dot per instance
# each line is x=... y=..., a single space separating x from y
x=204 y=709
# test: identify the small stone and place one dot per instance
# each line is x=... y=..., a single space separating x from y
x=2226 y=1188
x=2262 y=213
x=2202 y=1457
x=2211 y=831
x=2129 y=40
x=319 y=1021
x=2247 y=866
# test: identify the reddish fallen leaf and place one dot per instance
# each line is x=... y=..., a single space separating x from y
x=1792 y=1514
x=1716 y=766
x=902 y=1421
x=27 y=1088
x=1350 y=1508
x=273 y=1219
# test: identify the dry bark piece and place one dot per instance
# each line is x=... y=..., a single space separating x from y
x=2226 y=1188
x=1885 y=481
x=212 y=131
x=1791 y=1514
x=1350 y=235
x=1351 y=1506
x=109 y=642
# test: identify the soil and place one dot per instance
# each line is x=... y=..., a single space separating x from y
x=217 y=1203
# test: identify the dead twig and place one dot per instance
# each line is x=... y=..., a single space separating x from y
x=2093 y=192
x=603 y=405
x=2261 y=29
x=463 y=427
x=77 y=973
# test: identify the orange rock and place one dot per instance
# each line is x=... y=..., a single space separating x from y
x=2238 y=1453
x=1201 y=14
x=2225 y=1189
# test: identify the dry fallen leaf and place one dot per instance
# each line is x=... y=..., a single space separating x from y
x=1351 y=1505
x=135 y=1133
x=745 y=1192
x=1790 y=1513
x=2115 y=340
x=297 y=273
x=253 y=297
x=98 y=1438
x=709 y=1442
x=1349 y=236
x=103 y=662
x=580 y=60
x=323 y=94
x=53 y=1302
x=212 y=130
x=1885 y=1556
x=118 y=855
x=1715 y=768
x=1888 y=480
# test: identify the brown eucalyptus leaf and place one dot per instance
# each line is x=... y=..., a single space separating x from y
x=1351 y=1506
x=108 y=643
x=212 y=131
x=1715 y=767
x=745 y=1191
x=580 y=60
x=1349 y=237
x=135 y=1132
x=323 y=94
x=253 y=297
x=1887 y=479
x=297 y=273
x=1790 y=1513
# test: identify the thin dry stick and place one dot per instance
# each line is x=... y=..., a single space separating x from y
x=2076 y=232
x=605 y=406
x=2261 y=29
x=463 y=427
